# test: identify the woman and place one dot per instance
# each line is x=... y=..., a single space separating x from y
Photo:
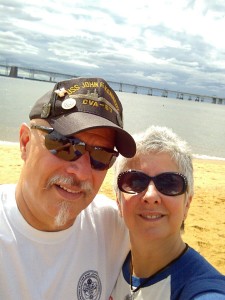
x=154 y=191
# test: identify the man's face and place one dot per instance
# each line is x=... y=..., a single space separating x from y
x=51 y=191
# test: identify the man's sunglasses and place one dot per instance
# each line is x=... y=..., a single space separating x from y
x=71 y=149
x=168 y=183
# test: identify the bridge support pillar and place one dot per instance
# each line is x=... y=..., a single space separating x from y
x=13 y=71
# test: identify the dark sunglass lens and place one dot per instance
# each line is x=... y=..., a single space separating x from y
x=54 y=141
x=78 y=151
x=70 y=149
x=101 y=159
x=170 y=184
x=113 y=159
x=62 y=147
x=133 y=182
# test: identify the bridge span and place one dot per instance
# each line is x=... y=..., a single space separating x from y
x=42 y=75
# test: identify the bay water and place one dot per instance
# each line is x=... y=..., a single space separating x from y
x=201 y=124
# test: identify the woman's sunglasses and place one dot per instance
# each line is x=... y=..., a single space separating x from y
x=169 y=183
x=71 y=149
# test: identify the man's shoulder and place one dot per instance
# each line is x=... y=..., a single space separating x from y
x=7 y=186
x=101 y=201
x=103 y=209
x=6 y=189
x=7 y=196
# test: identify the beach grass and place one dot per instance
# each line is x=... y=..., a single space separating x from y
x=205 y=225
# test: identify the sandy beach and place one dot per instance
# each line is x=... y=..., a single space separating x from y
x=205 y=226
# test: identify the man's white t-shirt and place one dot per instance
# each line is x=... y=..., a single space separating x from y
x=82 y=262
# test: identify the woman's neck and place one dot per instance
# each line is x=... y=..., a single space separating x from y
x=148 y=260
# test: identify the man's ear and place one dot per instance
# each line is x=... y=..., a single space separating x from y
x=24 y=139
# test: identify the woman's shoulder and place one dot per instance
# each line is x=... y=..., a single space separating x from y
x=201 y=276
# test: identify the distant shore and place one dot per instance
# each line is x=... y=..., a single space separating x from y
x=205 y=225
x=51 y=77
x=200 y=124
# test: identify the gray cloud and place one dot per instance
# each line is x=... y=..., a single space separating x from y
x=88 y=40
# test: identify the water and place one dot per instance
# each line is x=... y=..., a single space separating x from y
x=202 y=125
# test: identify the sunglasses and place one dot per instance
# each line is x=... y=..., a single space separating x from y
x=71 y=149
x=168 y=183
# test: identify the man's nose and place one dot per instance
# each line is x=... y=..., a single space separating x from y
x=81 y=167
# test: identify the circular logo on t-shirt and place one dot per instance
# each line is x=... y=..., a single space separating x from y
x=89 y=286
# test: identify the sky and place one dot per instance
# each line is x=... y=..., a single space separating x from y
x=176 y=45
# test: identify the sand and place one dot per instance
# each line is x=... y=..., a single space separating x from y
x=205 y=225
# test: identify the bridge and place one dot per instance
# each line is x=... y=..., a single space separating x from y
x=41 y=75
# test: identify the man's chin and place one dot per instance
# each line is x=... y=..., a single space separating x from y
x=62 y=217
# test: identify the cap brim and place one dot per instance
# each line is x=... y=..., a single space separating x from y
x=79 y=121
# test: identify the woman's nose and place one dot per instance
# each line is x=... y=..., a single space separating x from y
x=151 y=194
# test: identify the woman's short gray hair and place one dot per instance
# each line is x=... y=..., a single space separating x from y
x=158 y=139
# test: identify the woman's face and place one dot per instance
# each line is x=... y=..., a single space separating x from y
x=150 y=215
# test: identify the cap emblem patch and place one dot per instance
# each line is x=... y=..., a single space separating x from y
x=95 y=97
x=45 y=110
x=68 y=103
x=61 y=92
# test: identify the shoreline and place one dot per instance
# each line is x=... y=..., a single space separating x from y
x=195 y=156
x=205 y=225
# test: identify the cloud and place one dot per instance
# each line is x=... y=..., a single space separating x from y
x=167 y=44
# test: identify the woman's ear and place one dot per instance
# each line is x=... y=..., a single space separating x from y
x=24 y=139
x=187 y=206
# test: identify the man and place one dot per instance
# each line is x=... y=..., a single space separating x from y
x=55 y=241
